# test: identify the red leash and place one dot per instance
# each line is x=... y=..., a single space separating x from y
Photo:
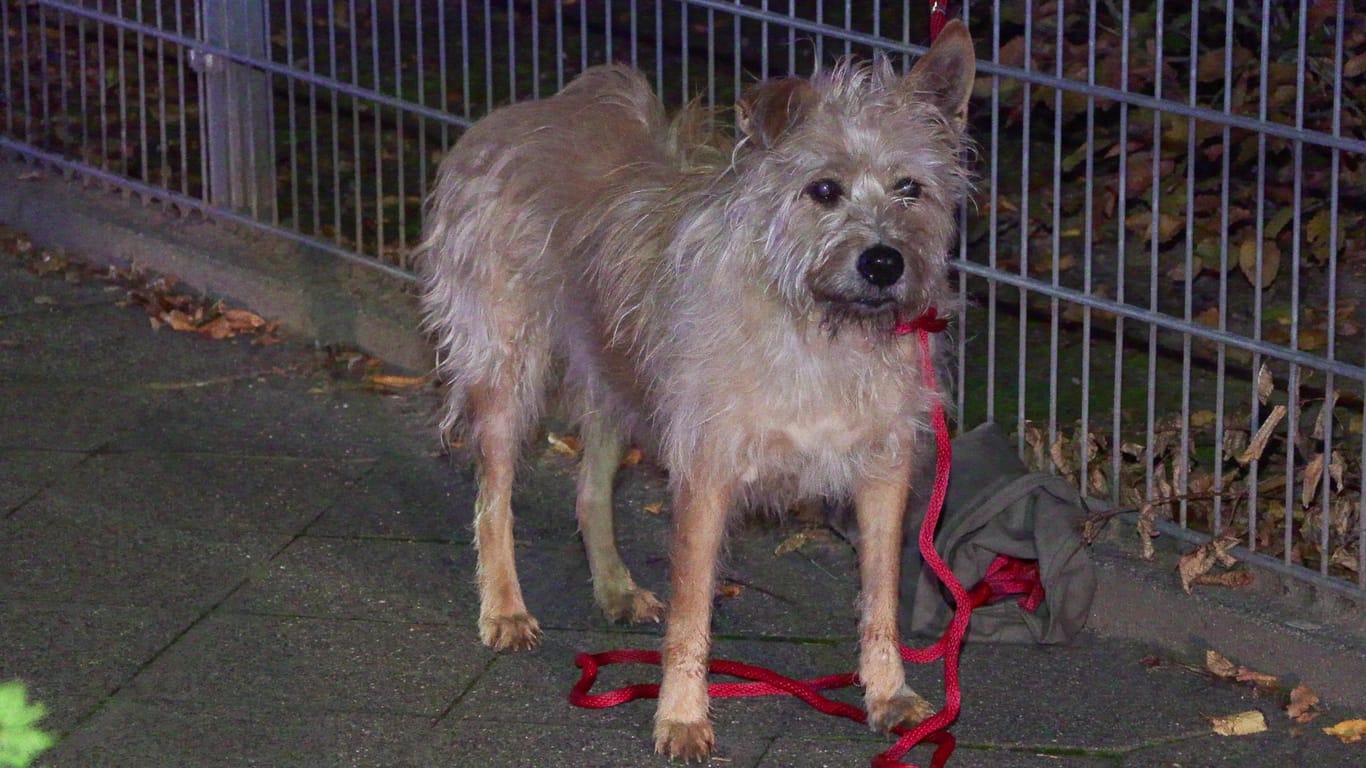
x=1006 y=576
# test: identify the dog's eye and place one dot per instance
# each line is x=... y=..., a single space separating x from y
x=907 y=188
x=826 y=191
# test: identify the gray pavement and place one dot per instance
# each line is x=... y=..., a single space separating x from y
x=215 y=554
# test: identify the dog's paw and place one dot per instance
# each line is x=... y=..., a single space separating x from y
x=684 y=741
x=518 y=632
x=633 y=606
x=905 y=708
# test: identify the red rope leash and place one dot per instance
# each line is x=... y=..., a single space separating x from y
x=1006 y=576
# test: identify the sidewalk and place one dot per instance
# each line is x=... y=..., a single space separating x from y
x=212 y=554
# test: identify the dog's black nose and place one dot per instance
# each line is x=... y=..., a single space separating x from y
x=881 y=265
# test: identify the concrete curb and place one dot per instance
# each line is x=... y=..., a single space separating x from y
x=310 y=293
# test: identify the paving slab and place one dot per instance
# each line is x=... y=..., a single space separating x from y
x=23 y=473
x=120 y=564
x=305 y=664
x=53 y=416
x=792 y=752
x=128 y=733
x=498 y=745
x=203 y=492
x=1283 y=745
x=73 y=656
x=406 y=495
x=372 y=580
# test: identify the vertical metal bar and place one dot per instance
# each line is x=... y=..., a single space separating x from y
x=1055 y=268
x=1155 y=206
x=9 y=65
x=488 y=52
x=684 y=35
x=334 y=66
x=123 y=117
x=101 y=80
x=763 y=42
x=848 y=26
x=181 y=90
x=442 y=79
x=399 y=137
x=1297 y=211
x=1184 y=461
x=377 y=151
x=44 y=96
x=357 y=185
x=583 y=37
x=659 y=53
x=659 y=36
x=1220 y=365
x=309 y=38
x=820 y=39
x=711 y=57
x=1331 y=304
x=607 y=27
x=993 y=206
x=420 y=55
x=1259 y=225
x=559 y=45
x=512 y=47
x=292 y=117
x=63 y=106
x=1023 y=349
x=535 y=46
x=1088 y=212
x=143 y=145
x=1121 y=210
x=466 y=96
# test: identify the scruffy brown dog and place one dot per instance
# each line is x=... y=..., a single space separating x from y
x=732 y=310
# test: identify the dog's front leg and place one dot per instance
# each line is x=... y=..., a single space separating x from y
x=881 y=503
x=682 y=727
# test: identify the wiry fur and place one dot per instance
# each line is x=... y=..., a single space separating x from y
x=693 y=297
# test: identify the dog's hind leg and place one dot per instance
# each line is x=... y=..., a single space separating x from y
x=498 y=414
x=613 y=588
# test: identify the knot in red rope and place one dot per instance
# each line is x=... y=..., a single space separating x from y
x=928 y=321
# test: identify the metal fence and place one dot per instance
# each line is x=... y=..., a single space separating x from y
x=1162 y=268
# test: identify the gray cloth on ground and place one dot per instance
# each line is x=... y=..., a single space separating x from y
x=994 y=506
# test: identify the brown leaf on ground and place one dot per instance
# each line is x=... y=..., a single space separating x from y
x=1265 y=383
x=1219 y=664
x=800 y=539
x=1239 y=724
x=1147 y=530
x=1259 y=441
x=1230 y=579
x=388 y=381
x=1198 y=563
x=729 y=590
x=654 y=509
x=1303 y=703
x=1348 y=731
x=632 y=457
x=1260 y=680
x=565 y=445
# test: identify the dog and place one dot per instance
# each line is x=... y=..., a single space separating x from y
x=729 y=306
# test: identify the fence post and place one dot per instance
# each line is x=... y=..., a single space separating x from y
x=237 y=127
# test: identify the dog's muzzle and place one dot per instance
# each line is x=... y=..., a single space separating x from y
x=880 y=265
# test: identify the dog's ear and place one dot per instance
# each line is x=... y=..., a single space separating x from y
x=769 y=108
x=944 y=75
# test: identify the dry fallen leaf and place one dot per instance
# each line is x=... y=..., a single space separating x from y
x=1302 y=704
x=1220 y=665
x=632 y=457
x=729 y=591
x=1197 y=563
x=1348 y=731
x=398 y=382
x=1265 y=384
x=1240 y=724
x=1230 y=579
x=1260 y=680
x=1259 y=441
x=565 y=445
x=800 y=539
x=655 y=508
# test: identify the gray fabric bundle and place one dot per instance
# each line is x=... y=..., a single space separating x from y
x=995 y=506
